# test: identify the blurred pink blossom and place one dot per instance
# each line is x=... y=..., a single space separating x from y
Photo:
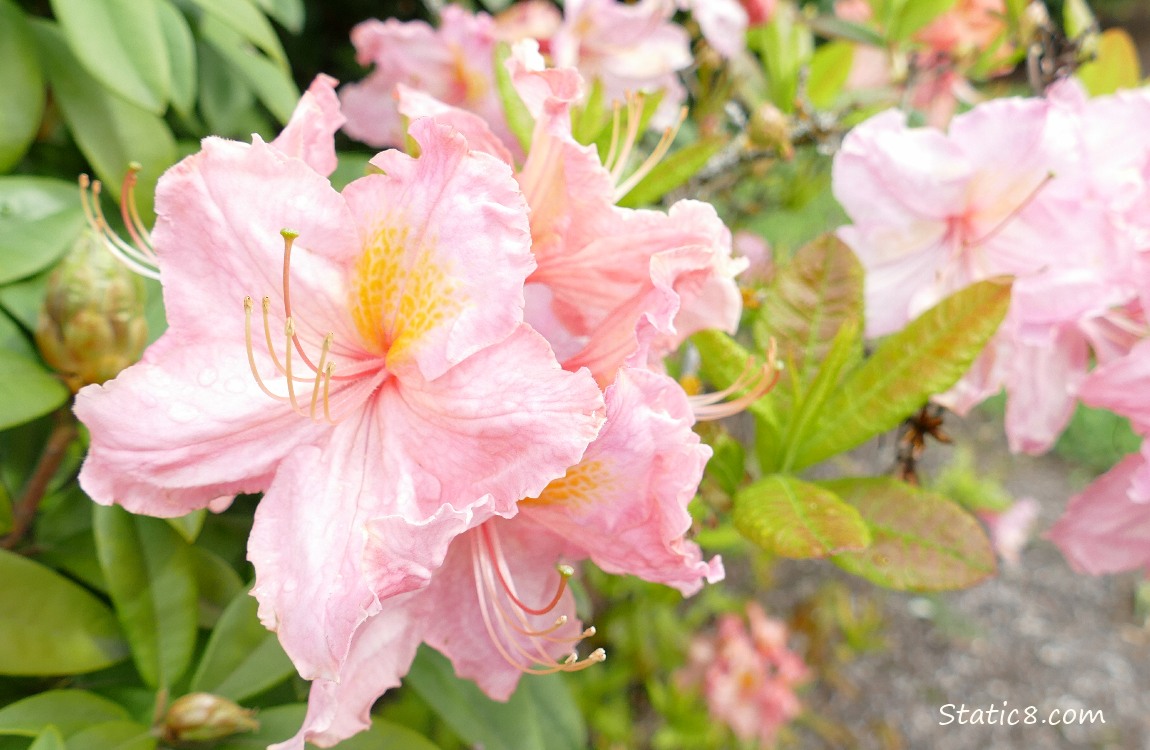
x=1011 y=529
x=748 y=676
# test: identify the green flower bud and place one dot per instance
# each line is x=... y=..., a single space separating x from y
x=92 y=323
x=770 y=128
x=199 y=717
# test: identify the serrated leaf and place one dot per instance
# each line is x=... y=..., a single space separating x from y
x=271 y=82
x=181 y=49
x=242 y=658
x=245 y=19
x=672 y=172
x=1115 y=67
x=49 y=625
x=807 y=304
x=110 y=131
x=925 y=358
x=21 y=86
x=920 y=541
x=540 y=714
x=114 y=735
x=151 y=579
x=121 y=44
x=913 y=16
x=27 y=390
x=519 y=119
x=830 y=68
x=792 y=518
x=49 y=739
x=40 y=218
x=68 y=710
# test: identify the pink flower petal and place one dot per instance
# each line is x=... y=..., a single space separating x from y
x=310 y=133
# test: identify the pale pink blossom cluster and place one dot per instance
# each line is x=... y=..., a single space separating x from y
x=748 y=676
x=445 y=380
x=1054 y=192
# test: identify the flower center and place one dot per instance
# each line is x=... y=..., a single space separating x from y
x=507 y=617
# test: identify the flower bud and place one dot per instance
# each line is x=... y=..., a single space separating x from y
x=200 y=717
x=92 y=323
x=770 y=128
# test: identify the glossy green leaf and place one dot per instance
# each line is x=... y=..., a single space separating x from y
x=114 y=735
x=915 y=15
x=49 y=739
x=808 y=302
x=925 y=358
x=271 y=81
x=1115 y=67
x=110 y=131
x=785 y=47
x=792 y=518
x=23 y=299
x=68 y=710
x=226 y=101
x=151 y=579
x=27 y=390
x=13 y=338
x=281 y=722
x=40 y=218
x=920 y=541
x=540 y=714
x=217 y=584
x=245 y=19
x=49 y=625
x=242 y=658
x=672 y=172
x=830 y=67
x=21 y=86
x=181 y=49
x=519 y=119
x=189 y=526
x=120 y=43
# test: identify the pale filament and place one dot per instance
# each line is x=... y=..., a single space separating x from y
x=131 y=214
x=140 y=258
x=505 y=614
x=620 y=153
x=753 y=383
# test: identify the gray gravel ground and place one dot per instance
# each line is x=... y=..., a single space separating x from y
x=1037 y=635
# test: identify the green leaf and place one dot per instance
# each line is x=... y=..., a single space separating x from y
x=40 y=218
x=589 y=119
x=1077 y=18
x=21 y=86
x=1116 y=66
x=915 y=15
x=540 y=714
x=289 y=13
x=121 y=44
x=785 y=46
x=226 y=101
x=110 y=131
x=519 y=119
x=792 y=518
x=114 y=735
x=217 y=583
x=49 y=739
x=245 y=19
x=672 y=172
x=189 y=526
x=23 y=299
x=281 y=722
x=270 y=80
x=27 y=390
x=920 y=541
x=833 y=27
x=181 y=48
x=386 y=734
x=68 y=710
x=925 y=358
x=151 y=579
x=242 y=658
x=49 y=625
x=807 y=303
x=727 y=465
x=830 y=67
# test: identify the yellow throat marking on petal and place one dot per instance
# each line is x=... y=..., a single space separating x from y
x=584 y=483
x=400 y=293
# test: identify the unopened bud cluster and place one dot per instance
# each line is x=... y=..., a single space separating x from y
x=200 y=717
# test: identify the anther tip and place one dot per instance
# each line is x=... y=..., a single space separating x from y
x=566 y=571
x=571 y=658
x=248 y=304
x=135 y=166
x=85 y=180
x=560 y=620
x=597 y=655
x=289 y=234
x=590 y=631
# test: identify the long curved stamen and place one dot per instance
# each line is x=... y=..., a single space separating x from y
x=508 y=629
x=131 y=214
x=289 y=333
x=613 y=151
x=138 y=261
x=319 y=375
x=634 y=115
x=289 y=239
x=251 y=352
x=267 y=303
x=757 y=382
x=653 y=160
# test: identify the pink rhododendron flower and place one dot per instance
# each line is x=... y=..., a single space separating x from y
x=970 y=27
x=385 y=395
x=748 y=678
x=1010 y=530
x=452 y=63
x=723 y=23
x=627 y=48
x=532 y=19
x=497 y=607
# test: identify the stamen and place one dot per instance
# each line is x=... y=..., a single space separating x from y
x=131 y=214
x=634 y=115
x=289 y=332
x=327 y=376
x=251 y=353
x=656 y=156
x=757 y=382
x=320 y=372
x=565 y=572
x=615 y=123
x=267 y=303
x=140 y=262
